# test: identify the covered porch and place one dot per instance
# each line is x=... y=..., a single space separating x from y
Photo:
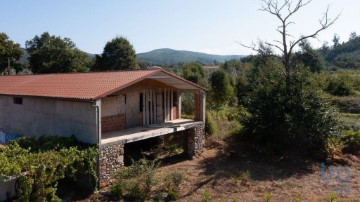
x=145 y=132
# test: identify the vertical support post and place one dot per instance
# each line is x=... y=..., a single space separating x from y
x=144 y=108
x=165 y=105
x=179 y=103
x=171 y=104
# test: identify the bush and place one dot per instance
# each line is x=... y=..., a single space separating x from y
x=135 y=182
x=340 y=84
x=40 y=170
x=210 y=126
x=297 y=122
x=351 y=141
x=349 y=104
x=173 y=181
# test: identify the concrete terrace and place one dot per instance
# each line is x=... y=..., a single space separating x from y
x=145 y=132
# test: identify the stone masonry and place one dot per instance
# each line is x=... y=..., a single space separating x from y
x=195 y=140
x=111 y=160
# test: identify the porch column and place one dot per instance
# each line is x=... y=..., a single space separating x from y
x=195 y=140
x=199 y=102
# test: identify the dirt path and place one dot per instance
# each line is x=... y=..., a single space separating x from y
x=224 y=177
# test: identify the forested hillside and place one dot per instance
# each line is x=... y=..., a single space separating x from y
x=345 y=55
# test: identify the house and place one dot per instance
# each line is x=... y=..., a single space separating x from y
x=109 y=109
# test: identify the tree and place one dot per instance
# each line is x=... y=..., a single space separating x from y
x=118 y=54
x=336 y=40
x=222 y=89
x=10 y=52
x=193 y=72
x=283 y=10
x=352 y=36
x=52 y=54
x=309 y=57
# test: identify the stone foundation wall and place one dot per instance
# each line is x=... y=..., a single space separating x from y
x=195 y=140
x=111 y=159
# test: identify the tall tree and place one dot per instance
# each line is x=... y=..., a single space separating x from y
x=118 y=54
x=194 y=72
x=309 y=57
x=284 y=10
x=10 y=52
x=222 y=89
x=52 y=54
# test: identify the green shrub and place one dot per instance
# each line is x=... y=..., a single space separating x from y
x=351 y=141
x=135 y=182
x=41 y=169
x=210 y=125
x=300 y=121
x=349 y=104
x=171 y=196
x=173 y=180
x=340 y=84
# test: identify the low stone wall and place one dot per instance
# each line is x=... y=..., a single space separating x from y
x=110 y=161
x=195 y=140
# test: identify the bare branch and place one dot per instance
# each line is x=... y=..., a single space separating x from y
x=273 y=45
x=325 y=22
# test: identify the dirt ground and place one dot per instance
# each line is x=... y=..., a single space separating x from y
x=220 y=175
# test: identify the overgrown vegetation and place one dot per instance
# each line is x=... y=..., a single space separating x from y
x=41 y=163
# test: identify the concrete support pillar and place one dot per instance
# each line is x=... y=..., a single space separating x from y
x=111 y=160
x=195 y=140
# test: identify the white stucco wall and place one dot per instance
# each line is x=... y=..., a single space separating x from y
x=43 y=116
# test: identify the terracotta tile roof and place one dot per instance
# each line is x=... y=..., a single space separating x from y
x=84 y=86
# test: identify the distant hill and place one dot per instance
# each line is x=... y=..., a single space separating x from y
x=168 y=56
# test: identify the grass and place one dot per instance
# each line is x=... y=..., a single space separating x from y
x=351 y=121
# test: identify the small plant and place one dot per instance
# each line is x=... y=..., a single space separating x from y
x=135 y=182
x=297 y=198
x=243 y=176
x=206 y=196
x=267 y=197
x=331 y=197
x=171 y=196
x=334 y=146
x=173 y=181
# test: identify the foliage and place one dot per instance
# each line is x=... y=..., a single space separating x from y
x=267 y=197
x=350 y=121
x=135 y=182
x=210 y=125
x=351 y=140
x=9 y=51
x=332 y=197
x=299 y=122
x=187 y=104
x=39 y=171
x=309 y=57
x=193 y=72
x=340 y=85
x=206 y=197
x=344 y=55
x=52 y=54
x=243 y=176
x=222 y=89
x=118 y=54
x=334 y=146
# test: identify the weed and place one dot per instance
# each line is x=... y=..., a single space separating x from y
x=206 y=197
x=267 y=197
x=243 y=176
x=297 y=198
x=331 y=197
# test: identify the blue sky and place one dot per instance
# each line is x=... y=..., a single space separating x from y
x=210 y=26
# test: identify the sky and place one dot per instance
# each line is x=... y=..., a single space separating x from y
x=210 y=26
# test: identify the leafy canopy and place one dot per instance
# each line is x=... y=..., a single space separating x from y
x=52 y=54
x=118 y=54
x=9 y=51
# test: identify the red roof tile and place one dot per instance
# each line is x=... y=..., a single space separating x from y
x=85 y=86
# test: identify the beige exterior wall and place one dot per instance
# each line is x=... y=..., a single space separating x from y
x=112 y=105
x=44 y=116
